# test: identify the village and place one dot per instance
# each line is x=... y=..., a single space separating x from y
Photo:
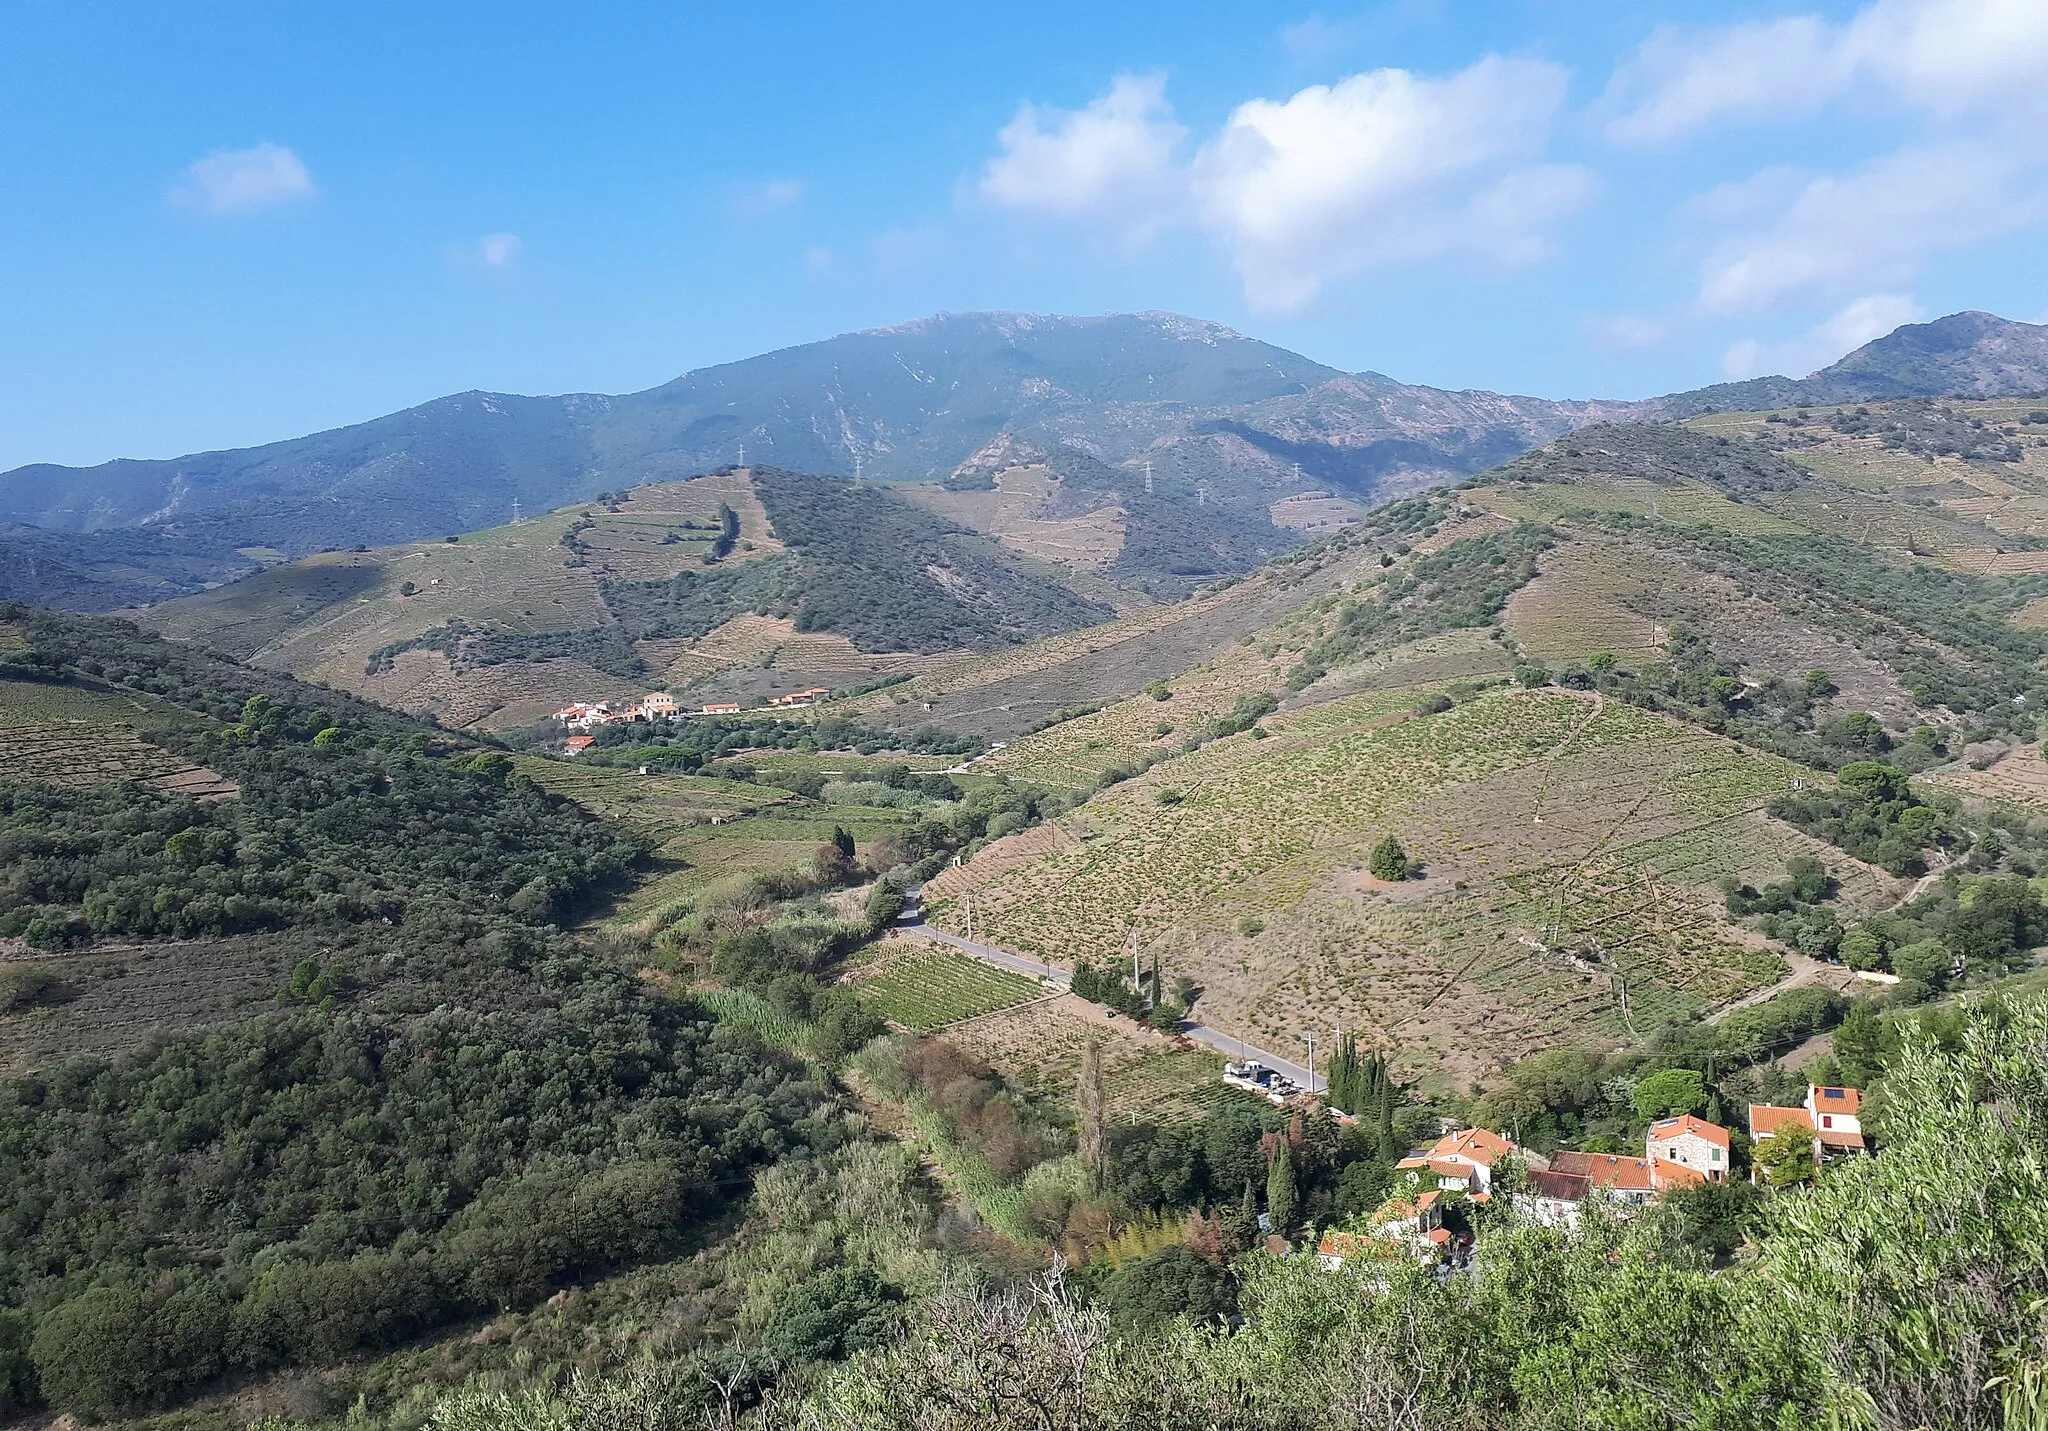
x=1430 y=1213
x=586 y=716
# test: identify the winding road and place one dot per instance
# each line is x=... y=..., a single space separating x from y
x=911 y=921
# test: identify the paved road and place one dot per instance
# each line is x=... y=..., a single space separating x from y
x=911 y=921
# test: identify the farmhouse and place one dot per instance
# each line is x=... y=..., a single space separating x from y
x=800 y=698
x=577 y=744
x=721 y=708
x=1691 y=1143
x=1830 y=1117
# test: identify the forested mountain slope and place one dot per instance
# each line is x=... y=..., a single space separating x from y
x=305 y=1065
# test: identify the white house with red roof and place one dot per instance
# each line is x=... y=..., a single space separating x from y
x=1462 y=1161
x=1834 y=1113
x=1688 y=1142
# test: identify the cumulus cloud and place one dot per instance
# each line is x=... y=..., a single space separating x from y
x=234 y=181
x=1384 y=167
x=1113 y=162
x=1832 y=235
x=1857 y=323
x=1949 y=57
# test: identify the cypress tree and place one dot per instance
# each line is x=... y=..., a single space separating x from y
x=1280 y=1191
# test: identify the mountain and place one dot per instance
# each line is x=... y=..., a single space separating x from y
x=1227 y=422
x=1963 y=355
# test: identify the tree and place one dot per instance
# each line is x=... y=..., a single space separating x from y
x=1282 y=1199
x=1785 y=1157
x=1926 y=960
x=1388 y=861
x=1241 y=1223
x=1089 y=1105
x=1862 y=948
x=1862 y=1044
x=1670 y=1092
x=843 y=838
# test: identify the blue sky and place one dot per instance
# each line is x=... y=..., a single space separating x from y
x=227 y=224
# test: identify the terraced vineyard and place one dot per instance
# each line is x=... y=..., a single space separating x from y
x=1039 y=1045
x=66 y=735
x=1688 y=503
x=1570 y=850
x=923 y=986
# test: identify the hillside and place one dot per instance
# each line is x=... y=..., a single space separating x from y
x=1576 y=690
x=819 y=583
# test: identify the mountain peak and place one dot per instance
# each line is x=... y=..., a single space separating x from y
x=1967 y=354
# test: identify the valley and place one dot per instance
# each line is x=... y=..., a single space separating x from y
x=1691 y=747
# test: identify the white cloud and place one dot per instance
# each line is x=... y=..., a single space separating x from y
x=1839 y=234
x=1871 y=316
x=1949 y=57
x=232 y=181
x=1680 y=80
x=770 y=196
x=1113 y=161
x=1385 y=167
x=498 y=250
x=818 y=259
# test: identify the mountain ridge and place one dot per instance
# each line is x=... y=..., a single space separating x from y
x=1202 y=419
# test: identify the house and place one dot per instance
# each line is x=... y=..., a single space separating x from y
x=1830 y=1117
x=577 y=744
x=1689 y=1142
x=800 y=698
x=1627 y=1182
x=1461 y=1160
x=1837 y=1125
x=1338 y=1249
x=1414 y=1220
x=1553 y=1198
x=721 y=708
x=657 y=705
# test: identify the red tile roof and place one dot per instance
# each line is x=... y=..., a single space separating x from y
x=1606 y=1170
x=1666 y=1173
x=1686 y=1123
x=1359 y=1244
x=1840 y=1138
x=1475 y=1145
x=1767 y=1119
x=1834 y=1100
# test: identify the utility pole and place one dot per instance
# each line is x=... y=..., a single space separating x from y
x=1137 y=973
x=1311 y=1062
x=1202 y=495
x=856 y=467
x=969 y=899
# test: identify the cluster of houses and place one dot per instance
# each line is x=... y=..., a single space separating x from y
x=656 y=706
x=582 y=715
x=1679 y=1152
